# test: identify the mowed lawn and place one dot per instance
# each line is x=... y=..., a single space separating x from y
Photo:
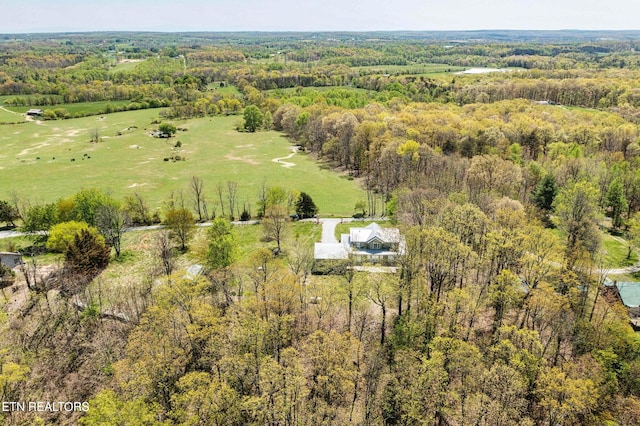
x=44 y=161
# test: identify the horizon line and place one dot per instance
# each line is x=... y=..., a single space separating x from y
x=272 y=31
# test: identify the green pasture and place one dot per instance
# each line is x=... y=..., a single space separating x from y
x=424 y=69
x=127 y=66
x=46 y=160
x=74 y=108
x=226 y=90
x=7 y=116
x=301 y=91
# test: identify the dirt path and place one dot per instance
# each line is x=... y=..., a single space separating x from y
x=9 y=111
x=287 y=164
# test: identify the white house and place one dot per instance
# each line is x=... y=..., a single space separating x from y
x=369 y=244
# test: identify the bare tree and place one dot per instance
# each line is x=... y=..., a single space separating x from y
x=112 y=222
x=275 y=224
x=301 y=259
x=380 y=292
x=165 y=251
x=262 y=199
x=348 y=272
x=292 y=198
x=19 y=205
x=232 y=193
x=197 y=193
x=137 y=209
x=219 y=189
x=29 y=269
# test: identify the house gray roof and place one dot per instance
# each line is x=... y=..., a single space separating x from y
x=10 y=260
x=372 y=232
x=629 y=293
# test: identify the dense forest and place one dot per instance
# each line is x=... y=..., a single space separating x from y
x=509 y=185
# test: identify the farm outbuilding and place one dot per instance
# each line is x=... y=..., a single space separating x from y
x=629 y=294
x=35 y=112
x=10 y=260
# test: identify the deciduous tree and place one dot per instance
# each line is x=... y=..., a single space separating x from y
x=112 y=221
x=222 y=245
x=253 y=118
x=275 y=224
x=181 y=223
x=577 y=208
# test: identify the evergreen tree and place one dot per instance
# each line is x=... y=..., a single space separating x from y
x=305 y=207
x=544 y=193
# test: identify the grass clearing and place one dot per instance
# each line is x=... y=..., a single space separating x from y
x=424 y=69
x=9 y=117
x=53 y=159
x=125 y=65
x=615 y=250
x=75 y=108
x=295 y=90
x=227 y=89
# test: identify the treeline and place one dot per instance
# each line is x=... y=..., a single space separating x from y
x=565 y=74
x=57 y=71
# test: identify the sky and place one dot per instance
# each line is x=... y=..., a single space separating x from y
x=23 y=16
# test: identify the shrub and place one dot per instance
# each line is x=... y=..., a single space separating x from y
x=87 y=255
x=7 y=276
x=62 y=235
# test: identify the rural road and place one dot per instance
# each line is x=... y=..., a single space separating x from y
x=328 y=227
x=621 y=271
x=10 y=234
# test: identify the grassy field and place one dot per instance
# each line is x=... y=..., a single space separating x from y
x=409 y=69
x=226 y=90
x=44 y=161
x=289 y=90
x=126 y=65
x=79 y=107
x=7 y=116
